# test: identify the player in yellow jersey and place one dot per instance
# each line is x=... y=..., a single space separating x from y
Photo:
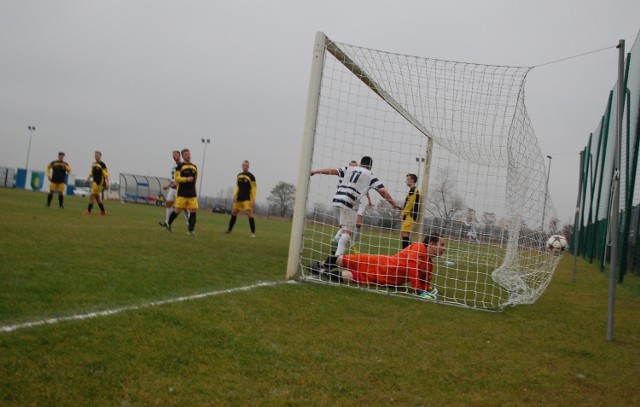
x=410 y=210
x=57 y=173
x=100 y=177
x=185 y=175
x=171 y=188
x=244 y=197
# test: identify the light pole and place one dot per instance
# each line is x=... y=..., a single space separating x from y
x=546 y=192
x=205 y=141
x=31 y=130
x=419 y=160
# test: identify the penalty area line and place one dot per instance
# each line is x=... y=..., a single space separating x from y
x=114 y=311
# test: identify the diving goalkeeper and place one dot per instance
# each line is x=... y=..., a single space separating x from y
x=413 y=264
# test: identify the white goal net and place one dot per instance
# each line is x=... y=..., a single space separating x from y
x=463 y=129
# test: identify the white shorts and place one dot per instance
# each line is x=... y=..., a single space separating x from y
x=171 y=195
x=348 y=218
x=362 y=208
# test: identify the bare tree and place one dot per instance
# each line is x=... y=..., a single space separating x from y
x=489 y=218
x=443 y=203
x=282 y=198
x=386 y=216
x=567 y=231
x=554 y=224
x=492 y=228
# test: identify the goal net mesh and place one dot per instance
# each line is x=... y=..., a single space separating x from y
x=463 y=129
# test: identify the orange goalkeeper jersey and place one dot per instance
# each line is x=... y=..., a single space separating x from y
x=411 y=264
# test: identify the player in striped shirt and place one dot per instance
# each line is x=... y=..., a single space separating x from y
x=356 y=181
x=361 y=208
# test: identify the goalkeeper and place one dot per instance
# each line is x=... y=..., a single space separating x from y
x=413 y=264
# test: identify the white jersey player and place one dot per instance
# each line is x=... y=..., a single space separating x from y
x=362 y=207
x=356 y=181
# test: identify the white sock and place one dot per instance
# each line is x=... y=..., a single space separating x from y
x=356 y=236
x=168 y=213
x=343 y=244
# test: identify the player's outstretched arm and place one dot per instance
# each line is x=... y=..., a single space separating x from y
x=325 y=171
x=385 y=194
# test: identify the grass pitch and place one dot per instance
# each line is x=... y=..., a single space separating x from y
x=280 y=344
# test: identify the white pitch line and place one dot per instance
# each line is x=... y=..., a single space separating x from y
x=52 y=321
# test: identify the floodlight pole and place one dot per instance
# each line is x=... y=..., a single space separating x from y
x=576 y=221
x=418 y=161
x=546 y=192
x=205 y=141
x=31 y=130
x=614 y=216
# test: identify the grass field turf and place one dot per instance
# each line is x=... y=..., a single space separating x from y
x=467 y=282
x=285 y=344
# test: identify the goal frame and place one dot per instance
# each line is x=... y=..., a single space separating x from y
x=477 y=114
x=322 y=45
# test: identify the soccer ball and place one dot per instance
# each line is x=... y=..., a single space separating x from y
x=557 y=244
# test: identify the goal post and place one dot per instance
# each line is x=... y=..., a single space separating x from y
x=308 y=137
x=424 y=186
x=463 y=129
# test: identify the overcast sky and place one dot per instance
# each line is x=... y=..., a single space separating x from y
x=138 y=79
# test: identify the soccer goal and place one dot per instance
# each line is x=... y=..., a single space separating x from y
x=463 y=129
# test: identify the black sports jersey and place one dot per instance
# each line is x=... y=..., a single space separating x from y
x=186 y=189
x=411 y=203
x=99 y=172
x=59 y=170
x=245 y=187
